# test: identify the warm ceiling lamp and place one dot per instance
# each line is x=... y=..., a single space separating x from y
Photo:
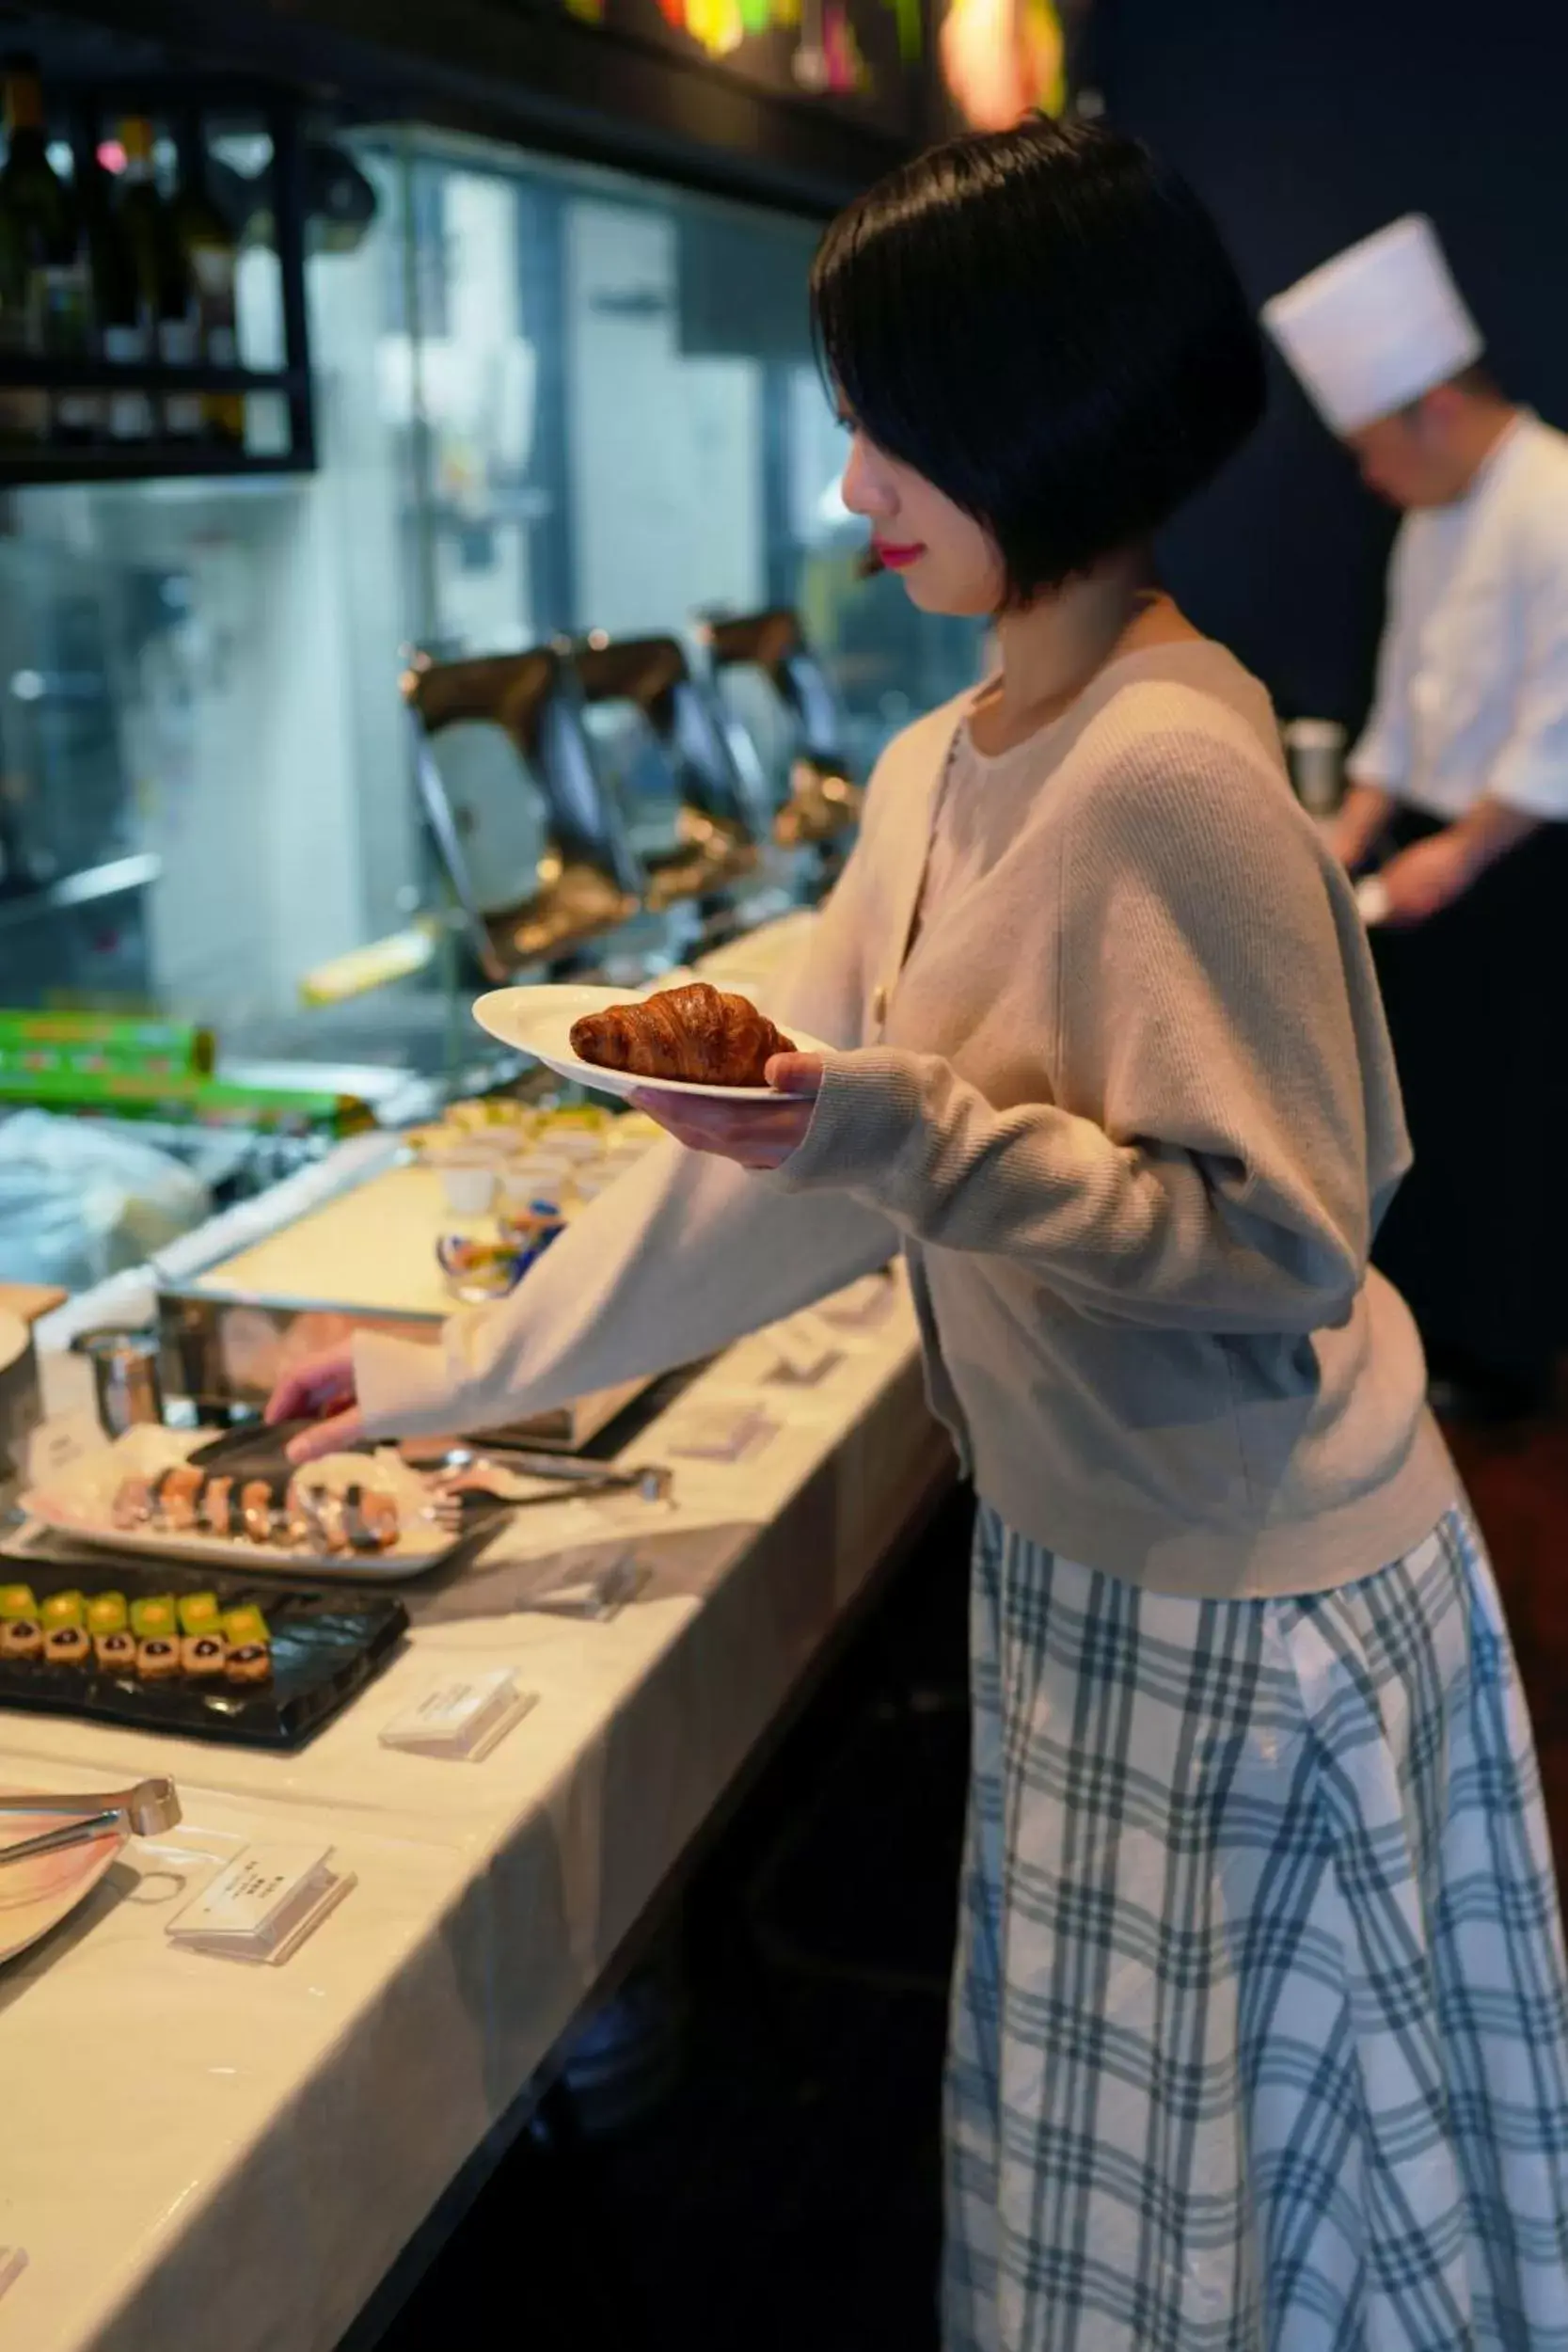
x=1002 y=60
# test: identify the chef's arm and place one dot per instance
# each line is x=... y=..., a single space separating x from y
x=1430 y=875
x=1360 y=822
x=1488 y=831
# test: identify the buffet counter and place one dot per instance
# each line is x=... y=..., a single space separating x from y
x=202 y=2151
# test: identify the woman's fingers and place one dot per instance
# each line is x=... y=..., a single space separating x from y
x=800 y=1075
x=327 y=1437
x=758 y=1135
x=313 y=1387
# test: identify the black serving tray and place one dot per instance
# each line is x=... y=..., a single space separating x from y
x=326 y=1646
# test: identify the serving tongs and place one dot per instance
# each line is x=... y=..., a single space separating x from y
x=466 y=1484
x=144 y=1810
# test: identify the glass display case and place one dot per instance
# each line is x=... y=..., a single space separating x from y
x=548 y=402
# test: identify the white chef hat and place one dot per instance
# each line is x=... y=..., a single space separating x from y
x=1377 y=327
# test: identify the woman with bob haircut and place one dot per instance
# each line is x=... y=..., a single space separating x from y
x=1259 y=2034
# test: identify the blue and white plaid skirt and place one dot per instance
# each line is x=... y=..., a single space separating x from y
x=1261 y=2029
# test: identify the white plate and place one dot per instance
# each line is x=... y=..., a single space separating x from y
x=76 y=1500
x=538 y=1022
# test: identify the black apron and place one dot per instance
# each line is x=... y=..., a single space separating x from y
x=1477 y=1000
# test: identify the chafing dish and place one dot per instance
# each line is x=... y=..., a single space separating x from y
x=535 y=853
x=691 y=822
x=778 y=698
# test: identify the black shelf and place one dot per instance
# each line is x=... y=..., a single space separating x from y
x=275 y=109
x=104 y=375
x=143 y=461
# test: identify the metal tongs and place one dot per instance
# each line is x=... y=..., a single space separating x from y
x=464 y=1476
x=145 y=1811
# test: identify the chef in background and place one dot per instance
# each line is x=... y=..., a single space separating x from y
x=1457 y=801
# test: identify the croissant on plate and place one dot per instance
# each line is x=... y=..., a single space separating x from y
x=695 y=1033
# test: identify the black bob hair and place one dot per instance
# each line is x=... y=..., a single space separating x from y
x=1043 y=322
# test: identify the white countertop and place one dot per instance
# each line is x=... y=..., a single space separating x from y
x=197 y=2152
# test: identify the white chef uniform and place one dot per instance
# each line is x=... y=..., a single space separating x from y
x=1472 y=690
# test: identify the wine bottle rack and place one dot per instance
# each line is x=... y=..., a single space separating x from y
x=153 y=458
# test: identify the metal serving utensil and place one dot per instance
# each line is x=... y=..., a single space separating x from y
x=483 y=1491
x=144 y=1810
x=564 y=1470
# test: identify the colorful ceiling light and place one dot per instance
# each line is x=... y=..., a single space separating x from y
x=828 y=56
x=1002 y=60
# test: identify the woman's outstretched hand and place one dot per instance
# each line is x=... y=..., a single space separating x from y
x=758 y=1135
x=320 y=1389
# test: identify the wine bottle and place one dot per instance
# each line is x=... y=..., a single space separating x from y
x=122 y=334
x=44 y=296
x=212 y=255
x=167 y=296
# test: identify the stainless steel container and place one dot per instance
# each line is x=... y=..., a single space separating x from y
x=1315 y=749
x=125 y=1377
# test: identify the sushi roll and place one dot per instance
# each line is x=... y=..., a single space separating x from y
x=198 y=1612
x=256 y=1510
x=333 y=1518
x=372 y=1518
x=379 y=1511
x=218 y=1506
x=20 y=1637
x=305 y=1512
x=153 y=1617
x=61 y=1610
x=178 y=1492
x=158 y=1657
x=134 y=1505
x=16 y=1600
x=299 y=1526
x=107 y=1613
x=115 y=1652
x=244 y=1624
x=67 y=1645
x=202 y=1655
x=249 y=1661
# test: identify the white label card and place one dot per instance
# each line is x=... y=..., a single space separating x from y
x=263 y=1906
x=461 y=1720
x=803 y=1351
x=715 y=1431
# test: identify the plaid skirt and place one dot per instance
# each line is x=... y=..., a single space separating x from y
x=1260 y=2027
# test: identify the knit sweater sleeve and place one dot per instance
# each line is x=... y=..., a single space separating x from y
x=676 y=1260
x=1204 y=1010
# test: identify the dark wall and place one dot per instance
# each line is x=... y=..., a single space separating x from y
x=1305 y=127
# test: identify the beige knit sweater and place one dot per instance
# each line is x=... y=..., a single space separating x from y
x=1129 y=1106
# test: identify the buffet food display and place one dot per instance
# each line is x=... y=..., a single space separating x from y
x=158 y=1648
x=183 y=1494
